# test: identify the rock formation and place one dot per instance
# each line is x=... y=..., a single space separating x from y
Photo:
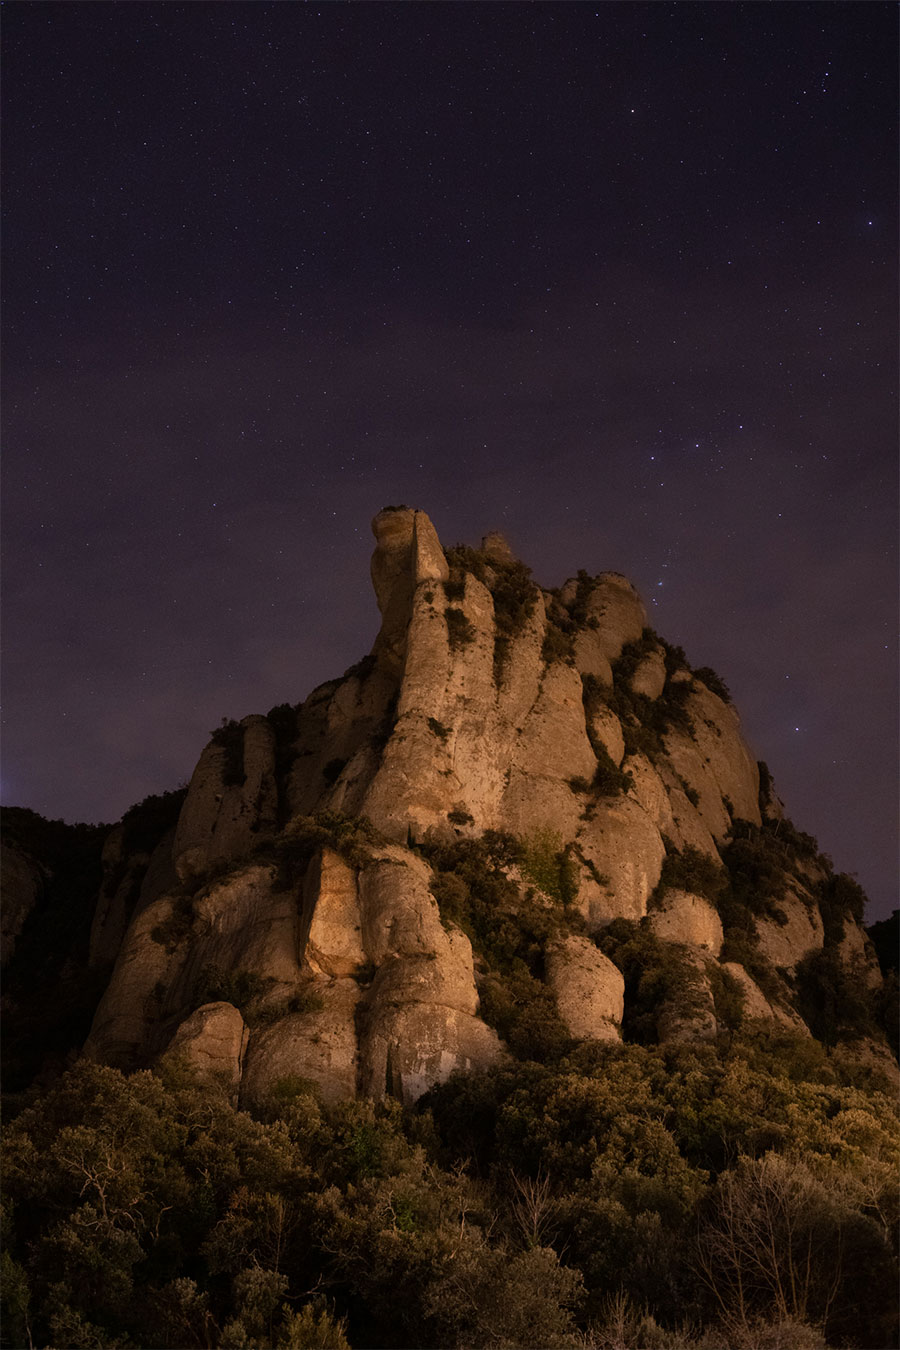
x=298 y=923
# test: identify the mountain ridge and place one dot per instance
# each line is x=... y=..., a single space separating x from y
x=293 y=914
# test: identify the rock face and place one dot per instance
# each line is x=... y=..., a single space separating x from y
x=589 y=989
x=683 y=917
x=795 y=931
x=287 y=930
x=212 y=1041
x=228 y=802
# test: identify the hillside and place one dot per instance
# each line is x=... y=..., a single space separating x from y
x=497 y=965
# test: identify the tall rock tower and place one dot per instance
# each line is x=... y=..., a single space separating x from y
x=299 y=921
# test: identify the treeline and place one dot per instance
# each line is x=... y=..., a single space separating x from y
x=624 y=1196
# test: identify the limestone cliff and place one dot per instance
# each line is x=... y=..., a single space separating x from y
x=313 y=912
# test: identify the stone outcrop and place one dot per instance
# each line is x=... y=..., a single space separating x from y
x=232 y=797
x=486 y=705
x=212 y=1041
x=858 y=955
x=589 y=989
x=331 y=924
x=688 y=1016
x=132 y=881
x=683 y=917
x=649 y=679
x=796 y=930
x=759 y=1008
x=622 y=852
x=619 y=613
x=315 y=1047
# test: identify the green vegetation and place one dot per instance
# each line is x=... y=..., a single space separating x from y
x=245 y=989
x=548 y=863
x=230 y=738
x=766 y=787
x=578 y=609
x=508 y=930
x=831 y=999
x=351 y=836
x=239 y=987
x=558 y=644
x=513 y=592
x=284 y=720
x=655 y=972
x=633 y=653
x=714 y=683
x=840 y=898
x=609 y=779
x=644 y=720
x=885 y=937
x=173 y=930
x=290 y=851
x=459 y=629
x=738 y=1194
x=146 y=823
x=689 y=870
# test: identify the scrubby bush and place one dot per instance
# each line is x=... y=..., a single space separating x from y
x=513 y=592
x=146 y=823
x=509 y=930
x=740 y=1188
x=557 y=644
x=655 y=972
x=291 y=851
x=646 y=721
x=831 y=999
x=885 y=936
x=609 y=779
x=238 y=987
x=689 y=869
x=230 y=738
x=549 y=864
x=459 y=630
x=714 y=683
x=438 y=729
x=757 y=868
x=632 y=654
x=840 y=898
x=172 y=931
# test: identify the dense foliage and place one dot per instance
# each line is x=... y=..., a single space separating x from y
x=735 y=1194
x=513 y=592
x=509 y=926
x=744 y=1193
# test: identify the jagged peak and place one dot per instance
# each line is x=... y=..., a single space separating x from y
x=489 y=708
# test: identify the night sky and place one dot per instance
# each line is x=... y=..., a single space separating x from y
x=617 y=279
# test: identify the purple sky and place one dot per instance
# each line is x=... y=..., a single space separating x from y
x=618 y=280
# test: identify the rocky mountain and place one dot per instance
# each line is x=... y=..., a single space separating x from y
x=522 y=819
